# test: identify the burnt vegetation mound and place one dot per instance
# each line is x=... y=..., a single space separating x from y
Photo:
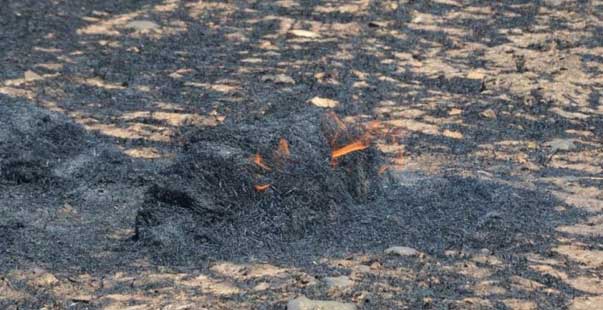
x=258 y=184
x=33 y=142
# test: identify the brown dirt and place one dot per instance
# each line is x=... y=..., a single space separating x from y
x=490 y=124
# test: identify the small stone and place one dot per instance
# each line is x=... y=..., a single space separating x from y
x=303 y=303
x=418 y=19
x=304 y=34
x=338 y=282
x=488 y=113
x=261 y=286
x=363 y=269
x=401 y=251
x=278 y=79
x=516 y=31
x=455 y=111
x=324 y=102
x=452 y=253
x=561 y=145
x=142 y=25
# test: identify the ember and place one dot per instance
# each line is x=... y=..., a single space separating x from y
x=262 y=187
x=352 y=147
x=257 y=159
x=283 y=148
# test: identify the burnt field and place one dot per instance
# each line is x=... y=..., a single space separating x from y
x=244 y=154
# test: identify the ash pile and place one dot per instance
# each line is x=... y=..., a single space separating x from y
x=34 y=142
x=259 y=184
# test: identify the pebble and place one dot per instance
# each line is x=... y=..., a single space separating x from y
x=561 y=145
x=304 y=34
x=488 y=113
x=303 y=303
x=338 y=282
x=324 y=102
x=278 y=79
x=261 y=286
x=401 y=251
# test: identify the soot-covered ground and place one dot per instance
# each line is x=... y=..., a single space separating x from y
x=179 y=154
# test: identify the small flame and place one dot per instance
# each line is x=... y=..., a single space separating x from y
x=352 y=147
x=262 y=187
x=257 y=159
x=283 y=147
x=382 y=169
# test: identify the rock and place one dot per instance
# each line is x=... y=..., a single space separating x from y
x=363 y=269
x=516 y=31
x=338 y=282
x=488 y=113
x=452 y=253
x=278 y=79
x=561 y=145
x=261 y=286
x=324 y=102
x=142 y=25
x=303 y=303
x=304 y=34
x=455 y=111
x=401 y=251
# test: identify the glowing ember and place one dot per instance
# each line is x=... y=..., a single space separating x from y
x=257 y=159
x=283 y=147
x=352 y=147
x=262 y=187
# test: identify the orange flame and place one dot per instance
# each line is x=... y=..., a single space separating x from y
x=283 y=147
x=257 y=159
x=262 y=187
x=352 y=147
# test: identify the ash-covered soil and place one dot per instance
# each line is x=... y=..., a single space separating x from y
x=179 y=154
